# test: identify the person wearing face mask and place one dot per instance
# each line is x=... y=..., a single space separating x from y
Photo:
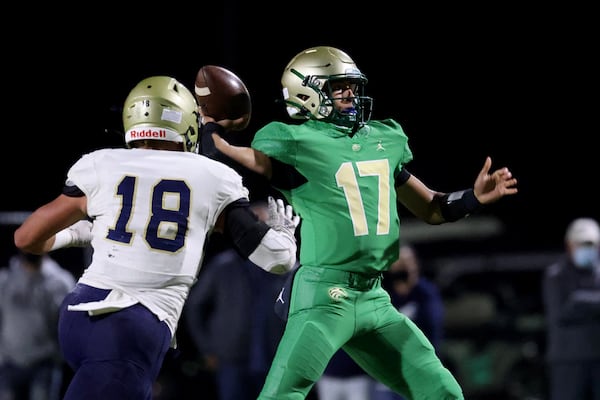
x=571 y=290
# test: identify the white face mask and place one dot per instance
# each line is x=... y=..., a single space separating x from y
x=586 y=257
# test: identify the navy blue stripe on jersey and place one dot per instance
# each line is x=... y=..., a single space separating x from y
x=72 y=191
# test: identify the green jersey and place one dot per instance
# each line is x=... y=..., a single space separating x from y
x=348 y=204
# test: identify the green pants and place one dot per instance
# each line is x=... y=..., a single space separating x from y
x=331 y=309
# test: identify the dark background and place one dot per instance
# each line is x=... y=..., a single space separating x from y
x=513 y=82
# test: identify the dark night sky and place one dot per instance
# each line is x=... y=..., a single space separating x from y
x=511 y=83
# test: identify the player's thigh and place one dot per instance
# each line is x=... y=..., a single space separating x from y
x=400 y=356
x=394 y=350
x=311 y=338
x=132 y=334
x=307 y=345
x=101 y=380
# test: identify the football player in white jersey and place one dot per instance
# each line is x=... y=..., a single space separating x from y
x=153 y=206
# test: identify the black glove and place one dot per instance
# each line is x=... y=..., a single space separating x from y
x=207 y=144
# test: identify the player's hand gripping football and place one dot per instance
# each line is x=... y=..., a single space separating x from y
x=281 y=217
x=489 y=188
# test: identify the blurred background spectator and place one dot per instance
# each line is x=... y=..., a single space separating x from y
x=32 y=288
x=218 y=317
x=572 y=303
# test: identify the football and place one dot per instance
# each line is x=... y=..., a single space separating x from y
x=221 y=94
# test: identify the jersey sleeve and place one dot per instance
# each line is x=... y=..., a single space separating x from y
x=234 y=185
x=229 y=184
x=83 y=173
x=394 y=128
x=276 y=140
x=397 y=128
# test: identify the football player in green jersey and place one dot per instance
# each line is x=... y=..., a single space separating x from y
x=343 y=174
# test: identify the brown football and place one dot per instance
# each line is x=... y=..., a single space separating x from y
x=221 y=94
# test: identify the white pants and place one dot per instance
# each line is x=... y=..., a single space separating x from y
x=351 y=388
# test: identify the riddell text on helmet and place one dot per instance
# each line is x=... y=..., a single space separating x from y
x=147 y=133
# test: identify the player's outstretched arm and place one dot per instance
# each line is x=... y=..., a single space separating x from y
x=436 y=207
x=250 y=158
x=39 y=232
x=213 y=145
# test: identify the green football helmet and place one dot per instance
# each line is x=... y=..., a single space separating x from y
x=307 y=81
x=161 y=108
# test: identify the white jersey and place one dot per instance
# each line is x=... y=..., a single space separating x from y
x=153 y=211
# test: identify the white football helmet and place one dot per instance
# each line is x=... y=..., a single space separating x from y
x=306 y=87
x=161 y=108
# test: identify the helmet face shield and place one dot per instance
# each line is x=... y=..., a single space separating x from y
x=161 y=108
x=310 y=81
